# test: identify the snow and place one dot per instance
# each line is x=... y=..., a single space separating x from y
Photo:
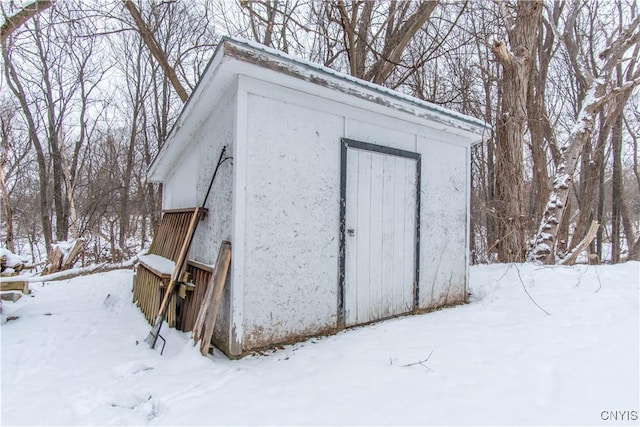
x=160 y=264
x=12 y=259
x=75 y=356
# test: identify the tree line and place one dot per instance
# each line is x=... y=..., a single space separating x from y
x=90 y=90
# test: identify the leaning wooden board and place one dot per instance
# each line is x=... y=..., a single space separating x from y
x=206 y=320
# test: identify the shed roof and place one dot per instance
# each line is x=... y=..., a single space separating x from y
x=230 y=59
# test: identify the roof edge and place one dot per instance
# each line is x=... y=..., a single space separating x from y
x=251 y=46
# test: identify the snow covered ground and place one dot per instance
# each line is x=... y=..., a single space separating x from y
x=75 y=356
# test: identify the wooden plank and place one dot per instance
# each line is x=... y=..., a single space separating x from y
x=377 y=305
x=388 y=192
x=22 y=286
x=201 y=266
x=195 y=299
x=160 y=274
x=363 y=270
x=11 y=296
x=184 y=210
x=205 y=322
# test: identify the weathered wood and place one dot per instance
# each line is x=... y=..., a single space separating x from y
x=78 y=246
x=147 y=291
x=193 y=300
x=149 y=283
x=55 y=261
x=160 y=274
x=59 y=262
x=591 y=234
x=203 y=328
x=180 y=262
x=201 y=266
x=185 y=210
x=22 y=286
x=3 y=265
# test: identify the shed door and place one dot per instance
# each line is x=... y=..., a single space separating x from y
x=381 y=206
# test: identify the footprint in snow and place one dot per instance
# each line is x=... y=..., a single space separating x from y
x=130 y=369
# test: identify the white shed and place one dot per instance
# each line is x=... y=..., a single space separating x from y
x=345 y=202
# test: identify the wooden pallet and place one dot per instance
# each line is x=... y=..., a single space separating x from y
x=149 y=285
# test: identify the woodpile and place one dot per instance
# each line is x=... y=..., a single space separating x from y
x=5 y=265
x=60 y=260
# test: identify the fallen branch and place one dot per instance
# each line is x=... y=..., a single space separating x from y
x=591 y=234
x=420 y=362
x=76 y=272
x=528 y=294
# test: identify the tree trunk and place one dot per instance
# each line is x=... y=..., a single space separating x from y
x=590 y=169
x=15 y=85
x=634 y=253
x=54 y=134
x=601 y=197
x=511 y=128
x=8 y=212
x=616 y=190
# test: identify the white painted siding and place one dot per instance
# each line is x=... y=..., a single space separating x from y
x=443 y=263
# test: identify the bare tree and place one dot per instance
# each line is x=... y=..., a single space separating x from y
x=512 y=121
x=603 y=95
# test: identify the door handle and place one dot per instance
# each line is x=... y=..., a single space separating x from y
x=351 y=232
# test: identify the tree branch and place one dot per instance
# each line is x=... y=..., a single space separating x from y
x=14 y=22
x=156 y=51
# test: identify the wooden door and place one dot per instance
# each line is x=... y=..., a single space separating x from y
x=380 y=232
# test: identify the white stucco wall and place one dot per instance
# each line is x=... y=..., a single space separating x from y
x=291 y=228
x=443 y=255
x=179 y=190
x=291 y=204
x=217 y=131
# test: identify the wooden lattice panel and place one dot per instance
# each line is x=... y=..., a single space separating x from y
x=149 y=286
x=200 y=276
